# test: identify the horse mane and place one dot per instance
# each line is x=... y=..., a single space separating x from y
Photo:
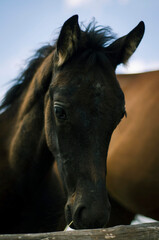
x=94 y=36
x=26 y=76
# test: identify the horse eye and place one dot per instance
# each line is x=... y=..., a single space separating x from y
x=60 y=113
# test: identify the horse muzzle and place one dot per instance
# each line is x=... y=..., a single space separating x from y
x=87 y=210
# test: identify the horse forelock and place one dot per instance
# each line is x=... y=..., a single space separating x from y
x=96 y=37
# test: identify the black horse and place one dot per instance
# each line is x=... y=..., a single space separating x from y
x=63 y=109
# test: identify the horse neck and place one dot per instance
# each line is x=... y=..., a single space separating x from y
x=37 y=87
x=28 y=150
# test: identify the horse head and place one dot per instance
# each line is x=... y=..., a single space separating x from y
x=85 y=105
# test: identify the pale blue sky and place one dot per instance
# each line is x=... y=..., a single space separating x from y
x=27 y=25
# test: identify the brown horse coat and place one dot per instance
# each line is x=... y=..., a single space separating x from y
x=133 y=158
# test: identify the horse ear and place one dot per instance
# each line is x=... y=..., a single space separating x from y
x=67 y=42
x=122 y=49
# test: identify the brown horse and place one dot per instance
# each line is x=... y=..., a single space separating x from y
x=133 y=161
x=63 y=109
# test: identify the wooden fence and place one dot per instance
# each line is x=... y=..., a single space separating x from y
x=147 y=231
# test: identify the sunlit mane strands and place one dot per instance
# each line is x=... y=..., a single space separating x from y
x=26 y=76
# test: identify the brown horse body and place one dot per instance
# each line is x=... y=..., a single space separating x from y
x=133 y=159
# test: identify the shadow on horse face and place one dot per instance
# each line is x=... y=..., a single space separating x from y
x=85 y=105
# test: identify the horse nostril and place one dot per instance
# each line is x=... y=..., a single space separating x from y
x=78 y=217
x=78 y=212
x=68 y=214
x=84 y=216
